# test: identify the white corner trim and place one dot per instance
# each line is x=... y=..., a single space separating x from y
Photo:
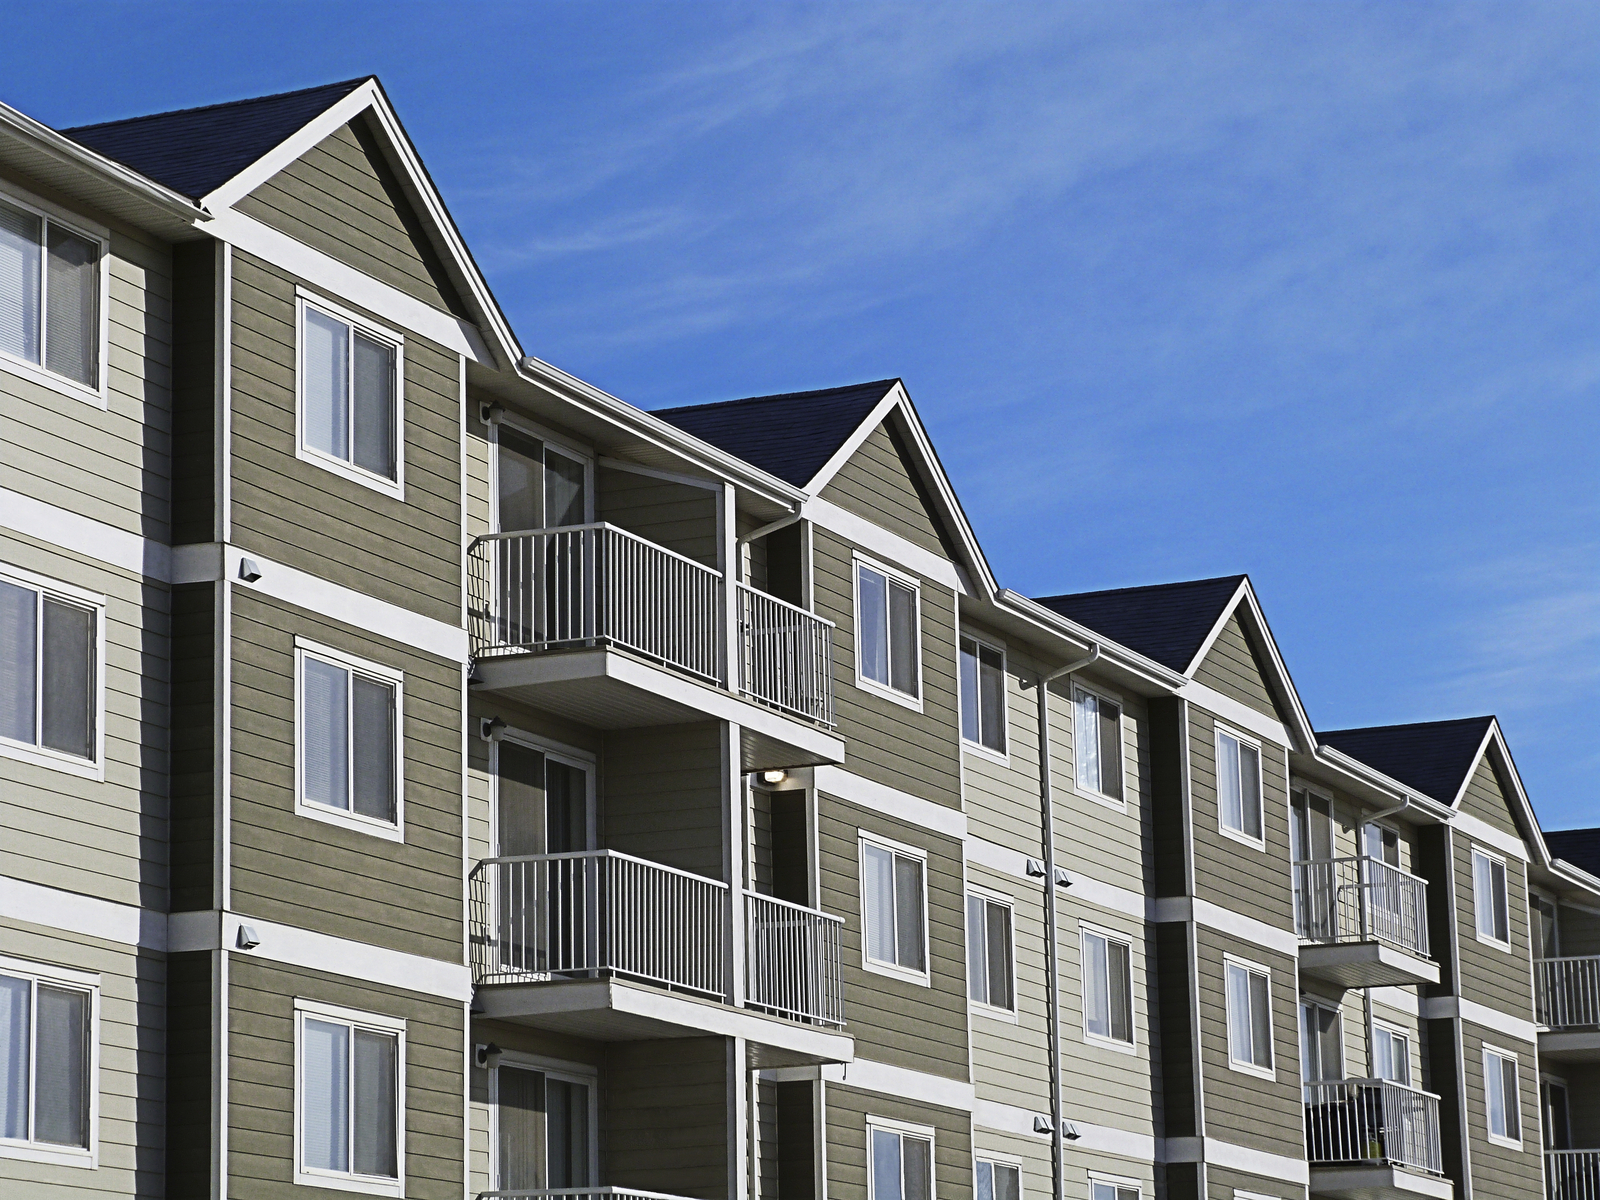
x=84 y=535
x=1223 y=920
x=1455 y=1007
x=1480 y=830
x=891 y=802
x=88 y=916
x=903 y=1083
x=877 y=540
x=1235 y=713
x=345 y=283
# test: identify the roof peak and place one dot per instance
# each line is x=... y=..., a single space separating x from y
x=1145 y=587
x=1452 y=722
x=812 y=394
x=349 y=85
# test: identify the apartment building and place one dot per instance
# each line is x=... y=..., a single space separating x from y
x=426 y=775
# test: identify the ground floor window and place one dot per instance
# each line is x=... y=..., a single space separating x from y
x=47 y=1040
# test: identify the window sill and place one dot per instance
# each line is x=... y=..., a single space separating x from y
x=34 y=373
x=394 y=488
x=1251 y=1069
x=1105 y=1043
x=890 y=971
x=53 y=760
x=1101 y=799
x=1508 y=1143
x=1496 y=944
x=1244 y=839
x=352 y=821
x=883 y=691
x=40 y=1152
x=367 y=1185
x=1005 y=1016
x=979 y=750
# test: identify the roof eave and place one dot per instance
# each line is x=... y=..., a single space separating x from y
x=1053 y=622
x=1338 y=760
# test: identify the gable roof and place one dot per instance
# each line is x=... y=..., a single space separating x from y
x=1580 y=847
x=1434 y=757
x=196 y=150
x=792 y=435
x=1167 y=622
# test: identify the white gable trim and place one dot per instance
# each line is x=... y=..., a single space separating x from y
x=857 y=439
x=1477 y=761
x=1216 y=629
x=1303 y=738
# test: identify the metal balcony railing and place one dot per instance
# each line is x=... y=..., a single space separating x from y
x=592 y=584
x=1372 y=1121
x=597 y=914
x=785 y=656
x=1572 y=1174
x=580 y=1193
x=1359 y=900
x=1566 y=991
x=792 y=965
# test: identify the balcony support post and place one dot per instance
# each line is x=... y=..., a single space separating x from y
x=740 y=1144
x=735 y=840
x=728 y=563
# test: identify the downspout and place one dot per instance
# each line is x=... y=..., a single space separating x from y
x=1053 y=972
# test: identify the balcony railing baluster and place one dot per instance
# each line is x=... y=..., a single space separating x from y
x=1572 y=1174
x=792 y=967
x=785 y=656
x=1359 y=900
x=1372 y=1121
x=1567 y=991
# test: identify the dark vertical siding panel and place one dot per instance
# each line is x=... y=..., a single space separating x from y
x=664 y=1117
x=1173 y=970
x=190 y=1010
x=194 y=402
x=1168 y=802
x=193 y=784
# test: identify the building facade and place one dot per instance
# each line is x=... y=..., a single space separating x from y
x=426 y=775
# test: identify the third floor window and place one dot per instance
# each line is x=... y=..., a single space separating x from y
x=49 y=660
x=894 y=908
x=983 y=695
x=49 y=296
x=349 y=743
x=1489 y=898
x=887 y=638
x=1239 y=785
x=1097 y=744
x=350 y=412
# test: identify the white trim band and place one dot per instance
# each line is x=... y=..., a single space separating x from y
x=891 y=802
x=879 y=541
x=902 y=1083
x=1437 y=1008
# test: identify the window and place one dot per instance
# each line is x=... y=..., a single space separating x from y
x=989 y=979
x=902 y=1161
x=887 y=637
x=1239 y=785
x=349 y=743
x=1391 y=1055
x=1107 y=987
x=1249 y=1003
x=49 y=669
x=1112 y=1189
x=1557 y=1121
x=349 y=1114
x=983 y=695
x=1489 y=898
x=997 y=1180
x=545 y=1126
x=1502 y=1096
x=1321 y=1043
x=50 y=296
x=1097 y=744
x=350 y=402
x=47 y=1062
x=893 y=904
x=1546 y=937
x=1382 y=844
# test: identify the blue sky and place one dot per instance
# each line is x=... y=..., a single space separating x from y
x=1307 y=290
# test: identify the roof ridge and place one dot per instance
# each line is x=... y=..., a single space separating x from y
x=846 y=387
x=352 y=84
x=1408 y=725
x=1142 y=587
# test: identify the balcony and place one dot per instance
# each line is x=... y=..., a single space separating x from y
x=1370 y=1138
x=604 y=945
x=599 y=624
x=1572 y=1174
x=580 y=1193
x=1367 y=923
x=1566 y=995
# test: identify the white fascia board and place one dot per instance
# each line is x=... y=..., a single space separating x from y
x=903 y=1083
x=1235 y=713
x=1132 y=661
x=845 y=785
x=1466 y=778
x=1306 y=737
x=1495 y=745
x=88 y=916
x=1577 y=876
x=1338 y=760
x=1481 y=831
x=882 y=543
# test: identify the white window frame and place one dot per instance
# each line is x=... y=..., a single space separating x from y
x=37 y=753
x=997 y=1159
x=1244 y=1065
x=990 y=896
x=1478 y=900
x=48 y=1152
x=1131 y=1046
x=894 y=970
x=553 y=751
x=348 y=1181
x=1552 y=1080
x=1516 y=1059
x=857 y=561
x=1393 y=1030
x=1003 y=757
x=1114 y=1182
x=1244 y=739
x=395 y=487
x=551 y=1068
x=349 y=819
x=1310 y=1000
x=88 y=230
x=904 y=1129
x=1109 y=697
x=1240 y=1194
x=528 y=429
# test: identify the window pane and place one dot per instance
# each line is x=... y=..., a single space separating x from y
x=324 y=741
x=1085 y=722
x=968 y=665
x=15 y=1017
x=992 y=686
x=1238 y=1002
x=375 y=406
x=68 y=673
x=563 y=490
x=983 y=1177
x=908 y=912
x=874 y=625
x=569 y=1134
x=19 y=619
x=324 y=1107
x=1110 y=749
x=999 y=940
x=19 y=283
x=61 y=1113
x=1494 y=1085
x=977 y=951
x=326 y=362
x=1260 y=1022
x=1007 y=1182
x=1119 y=975
x=879 y=917
x=1103 y=1191
x=520 y=1116
x=72 y=326
x=1508 y=1070
x=1228 y=796
x=903 y=638
x=373 y=715
x=1250 y=788
x=1331 y=1043
x=1096 y=987
x=885 y=1165
x=1483 y=894
x=375 y=1103
x=517 y=470
x=1498 y=876
x=918 y=1168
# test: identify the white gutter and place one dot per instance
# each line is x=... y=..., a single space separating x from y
x=1052 y=621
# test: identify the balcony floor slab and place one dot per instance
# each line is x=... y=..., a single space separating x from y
x=1375 y=1181
x=1570 y=1045
x=612 y=689
x=1365 y=964
x=614 y=1010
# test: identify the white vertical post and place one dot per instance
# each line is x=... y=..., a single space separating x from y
x=735 y=863
x=728 y=564
x=738 y=1120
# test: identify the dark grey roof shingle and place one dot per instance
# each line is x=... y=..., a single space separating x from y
x=1432 y=756
x=1167 y=622
x=196 y=150
x=792 y=435
x=1580 y=847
